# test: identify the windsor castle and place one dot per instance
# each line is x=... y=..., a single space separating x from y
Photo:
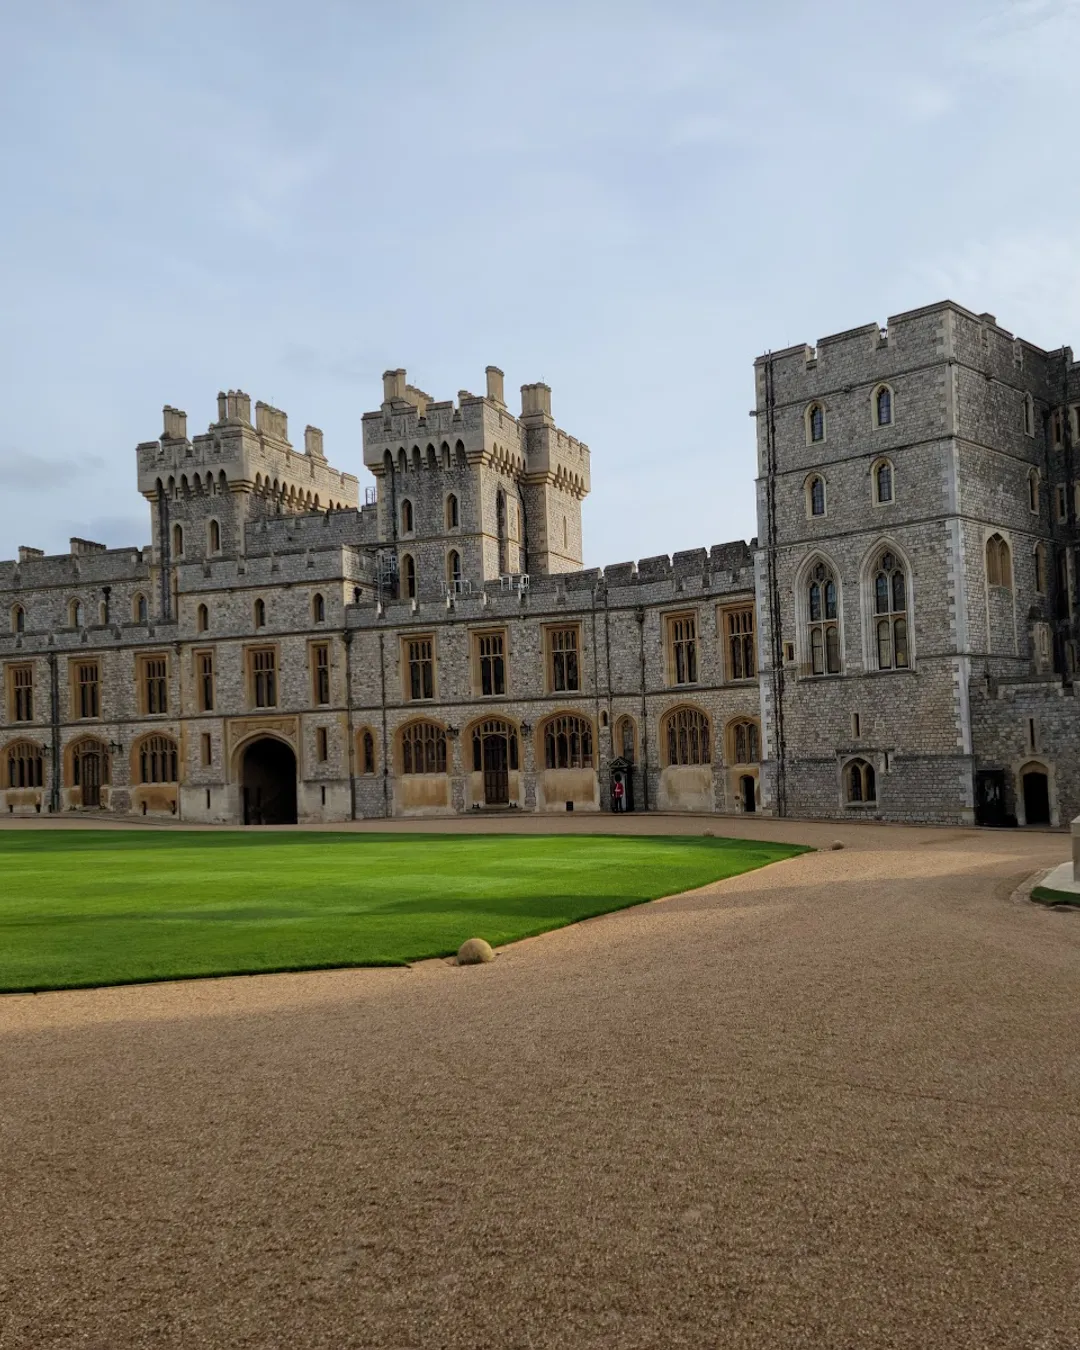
x=899 y=642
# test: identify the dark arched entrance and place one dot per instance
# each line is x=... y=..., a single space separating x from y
x=1036 y=797
x=748 y=791
x=268 y=783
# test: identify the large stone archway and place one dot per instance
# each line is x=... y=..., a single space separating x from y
x=268 y=782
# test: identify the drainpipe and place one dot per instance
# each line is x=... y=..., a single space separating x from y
x=347 y=638
x=382 y=700
x=640 y=616
x=54 y=719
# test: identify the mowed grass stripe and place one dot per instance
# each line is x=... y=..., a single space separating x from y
x=83 y=908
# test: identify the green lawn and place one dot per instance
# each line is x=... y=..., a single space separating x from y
x=109 y=907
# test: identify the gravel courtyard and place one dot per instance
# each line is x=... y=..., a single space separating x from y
x=834 y=1103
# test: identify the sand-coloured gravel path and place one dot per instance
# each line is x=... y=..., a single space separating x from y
x=834 y=1103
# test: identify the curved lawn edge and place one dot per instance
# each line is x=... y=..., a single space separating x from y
x=1043 y=895
x=503 y=887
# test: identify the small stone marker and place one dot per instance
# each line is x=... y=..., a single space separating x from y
x=474 y=951
x=836 y=844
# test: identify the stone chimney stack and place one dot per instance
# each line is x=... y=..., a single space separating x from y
x=26 y=553
x=271 y=421
x=235 y=406
x=495 y=384
x=313 y=445
x=393 y=383
x=535 y=399
x=176 y=423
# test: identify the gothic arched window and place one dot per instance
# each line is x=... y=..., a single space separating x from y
x=157 y=760
x=883 y=406
x=18 y=619
x=860 y=781
x=406 y=517
x=318 y=608
x=26 y=765
x=815 y=423
x=423 y=748
x=202 y=619
x=1033 y=489
x=214 y=531
x=685 y=736
x=890 y=613
x=451 y=510
x=453 y=568
x=815 y=496
x=883 y=482
x=568 y=743
x=998 y=562
x=626 y=739
x=823 y=629
x=408 y=576
x=260 y=613
x=744 y=742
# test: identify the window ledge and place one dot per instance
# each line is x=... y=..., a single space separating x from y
x=860 y=806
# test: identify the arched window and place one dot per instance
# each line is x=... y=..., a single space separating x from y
x=260 y=613
x=406 y=517
x=815 y=423
x=744 y=742
x=76 y=614
x=157 y=760
x=451 y=510
x=568 y=743
x=423 y=748
x=214 y=532
x=139 y=609
x=883 y=482
x=18 y=619
x=565 y=534
x=685 y=735
x=202 y=619
x=626 y=739
x=26 y=765
x=408 y=576
x=1033 y=489
x=815 y=495
x=1029 y=415
x=823 y=629
x=453 y=568
x=998 y=563
x=178 y=541
x=318 y=608
x=1040 y=568
x=860 y=781
x=367 y=751
x=890 y=613
x=883 y=406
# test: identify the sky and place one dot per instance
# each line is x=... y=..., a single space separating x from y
x=627 y=199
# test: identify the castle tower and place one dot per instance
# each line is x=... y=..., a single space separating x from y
x=469 y=492
x=204 y=491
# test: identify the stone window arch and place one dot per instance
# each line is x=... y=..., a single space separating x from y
x=860 y=783
x=889 y=607
x=76 y=614
x=408 y=519
x=408 y=576
x=883 y=482
x=998 y=563
x=178 y=541
x=365 y=751
x=882 y=405
x=213 y=536
x=819 y=603
x=814 y=418
x=744 y=741
x=626 y=738
x=1039 y=556
x=453 y=569
x=157 y=760
x=1029 y=415
x=568 y=742
x=422 y=748
x=139 y=609
x=453 y=519
x=318 y=607
x=18 y=619
x=686 y=736
x=1034 y=490
x=89 y=757
x=25 y=764
x=202 y=619
x=260 y=613
x=814 y=488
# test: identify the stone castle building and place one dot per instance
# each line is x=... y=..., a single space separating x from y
x=898 y=642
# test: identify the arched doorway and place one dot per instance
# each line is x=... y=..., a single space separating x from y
x=748 y=792
x=268 y=783
x=1036 y=796
x=495 y=754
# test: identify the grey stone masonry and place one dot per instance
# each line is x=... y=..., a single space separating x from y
x=898 y=642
